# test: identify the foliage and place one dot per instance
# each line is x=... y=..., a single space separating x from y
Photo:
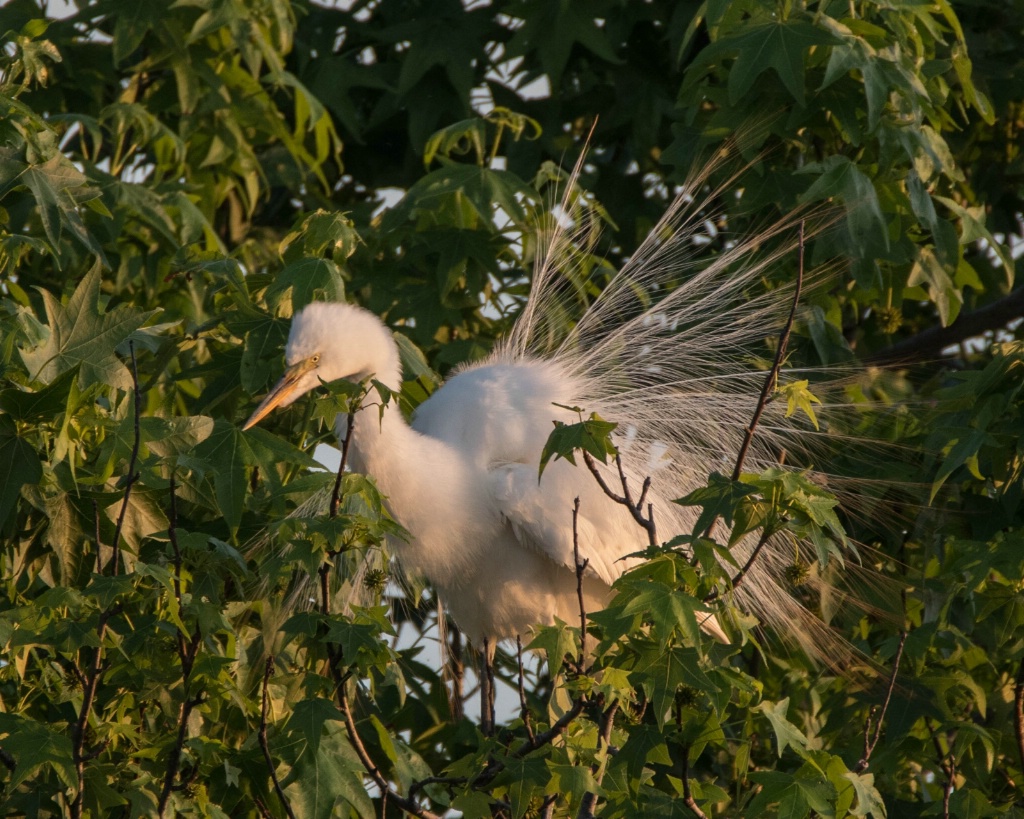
x=176 y=179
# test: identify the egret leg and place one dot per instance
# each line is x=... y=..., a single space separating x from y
x=487 y=689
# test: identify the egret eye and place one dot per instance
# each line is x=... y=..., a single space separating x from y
x=316 y=359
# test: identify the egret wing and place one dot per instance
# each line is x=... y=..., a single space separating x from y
x=540 y=515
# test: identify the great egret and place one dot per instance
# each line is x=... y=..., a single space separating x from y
x=671 y=368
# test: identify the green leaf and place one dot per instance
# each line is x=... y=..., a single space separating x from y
x=645 y=743
x=572 y=781
x=943 y=292
x=796 y=795
x=779 y=45
x=869 y=800
x=19 y=465
x=556 y=641
x=719 y=499
x=323 y=776
x=786 y=733
x=839 y=177
x=42 y=405
x=309 y=717
x=593 y=436
x=33 y=745
x=798 y=397
x=82 y=336
x=308 y=280
x=664 y=671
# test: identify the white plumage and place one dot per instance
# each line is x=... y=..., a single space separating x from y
x=670 y=365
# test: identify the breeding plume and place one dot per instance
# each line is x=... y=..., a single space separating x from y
x=670 y=365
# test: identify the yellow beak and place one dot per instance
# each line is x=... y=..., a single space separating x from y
x=283 y=390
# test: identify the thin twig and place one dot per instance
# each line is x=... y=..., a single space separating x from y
x=540 y=740
x=448 y=781
x=92 y=678
x=688 y=799
x=948 y=788
x=404 y=803
x=457 y=667
x=186 y=654
x=265 y=745
x=767 y=388
x=174 y=761
x=766 y=534
x=581 y=567
x=780 y=352
x=132 y=475
x=869 y=744
x=1018 y=710
x=334 y=659
x=96 y=526
x=626 y=498
x=524 y=710
x=589 y=801
x=78 y=732
x=336 y=494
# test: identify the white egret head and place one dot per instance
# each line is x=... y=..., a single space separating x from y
x=329 y=341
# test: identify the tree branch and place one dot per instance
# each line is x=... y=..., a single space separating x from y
x=773 y=374
x=410 y=806
x=336 y=493
x=265 y=745
x=626 y=498
x=589 y=801
x=132 y=475
x=688 y=799
x=186 y=654
x=929 y=344
x=870 y=743
x=1018 y=710
x=92 y=678
x=581 y=567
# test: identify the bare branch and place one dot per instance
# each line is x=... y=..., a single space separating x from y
x=928 y=345
x=96 y=526
x=1018 y=710
x=947 y=790
x=581 y=566
x=540 y=740
x=92 y=677
x=457 y=668
x=132 y=475
x=406 y=804
x=780 y=352
x=79 y=729
x=688 y=799
x=626 y=498
x=589 y=801
x=186 y=654
x=174 y=761
x=336 y=493
x=766 y=534
x=870 y=743
x=265 y=745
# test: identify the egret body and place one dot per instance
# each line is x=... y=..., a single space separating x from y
x=671 y=368
x=494 y=541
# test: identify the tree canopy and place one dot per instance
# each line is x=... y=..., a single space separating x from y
x=177 y=179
